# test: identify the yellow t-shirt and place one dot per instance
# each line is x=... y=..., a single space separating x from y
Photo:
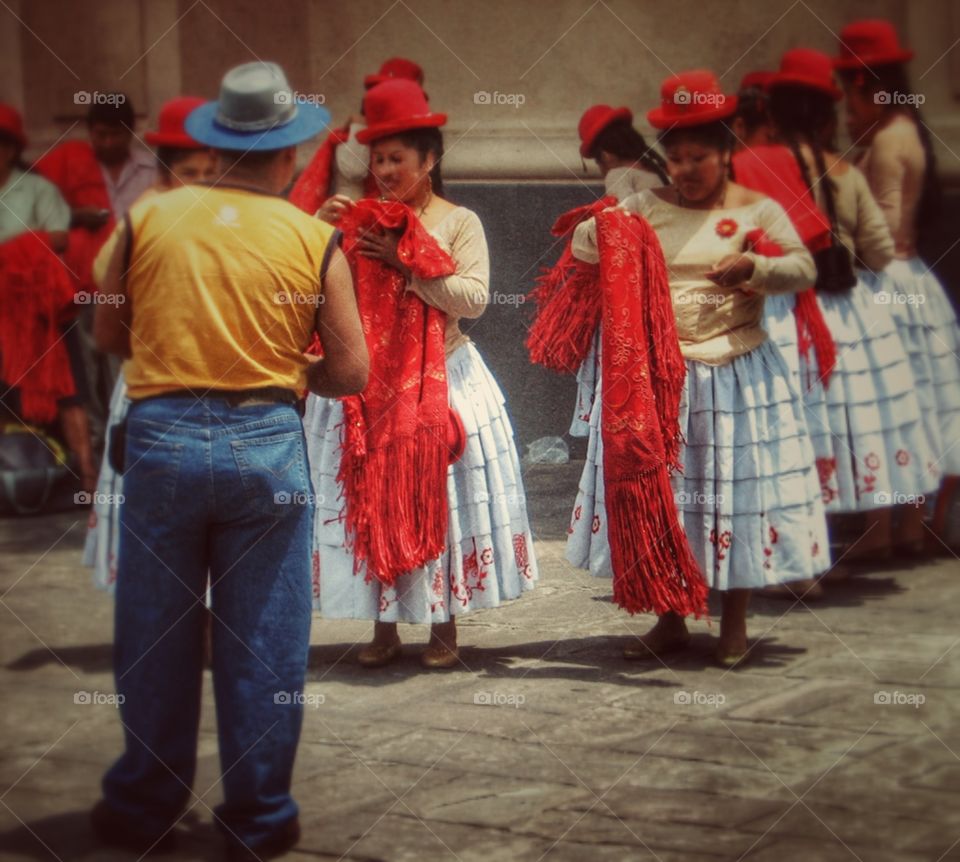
x=224 y=285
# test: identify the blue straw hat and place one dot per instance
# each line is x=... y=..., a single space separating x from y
x=256 y=110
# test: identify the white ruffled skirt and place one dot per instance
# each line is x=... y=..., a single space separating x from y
x=748 y=497
x=927 y=324
x=586 y=388
x=489 y=557
x=871 y=445
x=103 y=527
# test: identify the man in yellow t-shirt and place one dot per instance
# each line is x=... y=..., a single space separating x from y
x=213 y=294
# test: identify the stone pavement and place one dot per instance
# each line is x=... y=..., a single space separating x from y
x=839 y=741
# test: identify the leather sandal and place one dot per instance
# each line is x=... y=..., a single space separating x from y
x=378 y=655
x=440 y=657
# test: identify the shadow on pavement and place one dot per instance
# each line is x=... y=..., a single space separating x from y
x=69 y=836
x=591 y=659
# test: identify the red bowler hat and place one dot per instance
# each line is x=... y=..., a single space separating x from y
x=756 y=80
x=395 y=106
x=691 y=99
x=395 y=67
x=594 y=120
x=804 y=67
x=871 y=42
x=11 y=123
x=170 y=131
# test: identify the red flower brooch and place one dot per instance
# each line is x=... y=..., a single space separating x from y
x=726 y=227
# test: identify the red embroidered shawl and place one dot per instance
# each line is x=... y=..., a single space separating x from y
x=643 y=374
x=395 y=453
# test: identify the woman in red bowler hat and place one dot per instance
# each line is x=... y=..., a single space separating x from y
x=626 y=163
x=748 y=497
x=898 y=161
x=870 y=442
x=751 y=124
x=485 y=554
x=339 y=171
x=180 y=161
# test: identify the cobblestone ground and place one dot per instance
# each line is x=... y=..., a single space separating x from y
x=839 y=741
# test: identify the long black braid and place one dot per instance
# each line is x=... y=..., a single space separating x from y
x=803 y=115
x=622 y=140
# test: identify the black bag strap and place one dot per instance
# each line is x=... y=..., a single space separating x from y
x=128 y=244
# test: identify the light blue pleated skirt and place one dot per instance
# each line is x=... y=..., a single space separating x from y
x=489 y=557
x=749 y=498
x=872 y=446
x=927 y=324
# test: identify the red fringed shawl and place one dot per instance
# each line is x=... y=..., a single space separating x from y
x=73 y=169
x=643 y=374
x=567 y=300
x=395 y=455
x=312 y=187
x=773 y=170
x=35 y=289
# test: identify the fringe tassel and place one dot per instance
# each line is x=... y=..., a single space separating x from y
x=568 y=311
x=812 y=331
x=646 y=536
x=401 y=488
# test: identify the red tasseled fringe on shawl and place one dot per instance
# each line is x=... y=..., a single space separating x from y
x=395 y=455
x=773 y=170
x=643 y=374
x=35 y=289
x=567 y=300
x=73 y=169
x=312 y=187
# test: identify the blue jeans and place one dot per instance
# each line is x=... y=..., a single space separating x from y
x=212 y=488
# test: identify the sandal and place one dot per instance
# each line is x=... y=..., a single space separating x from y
x=378 y=655
x=440 y=657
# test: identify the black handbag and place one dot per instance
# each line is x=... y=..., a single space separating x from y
x=834 y=269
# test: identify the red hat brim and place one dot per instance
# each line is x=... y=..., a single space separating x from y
x=618 y=114
x=868 y=61
x=181 y=141
x=660 y=119
x=372 y=80
x=791 y=80
x=395 y=127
